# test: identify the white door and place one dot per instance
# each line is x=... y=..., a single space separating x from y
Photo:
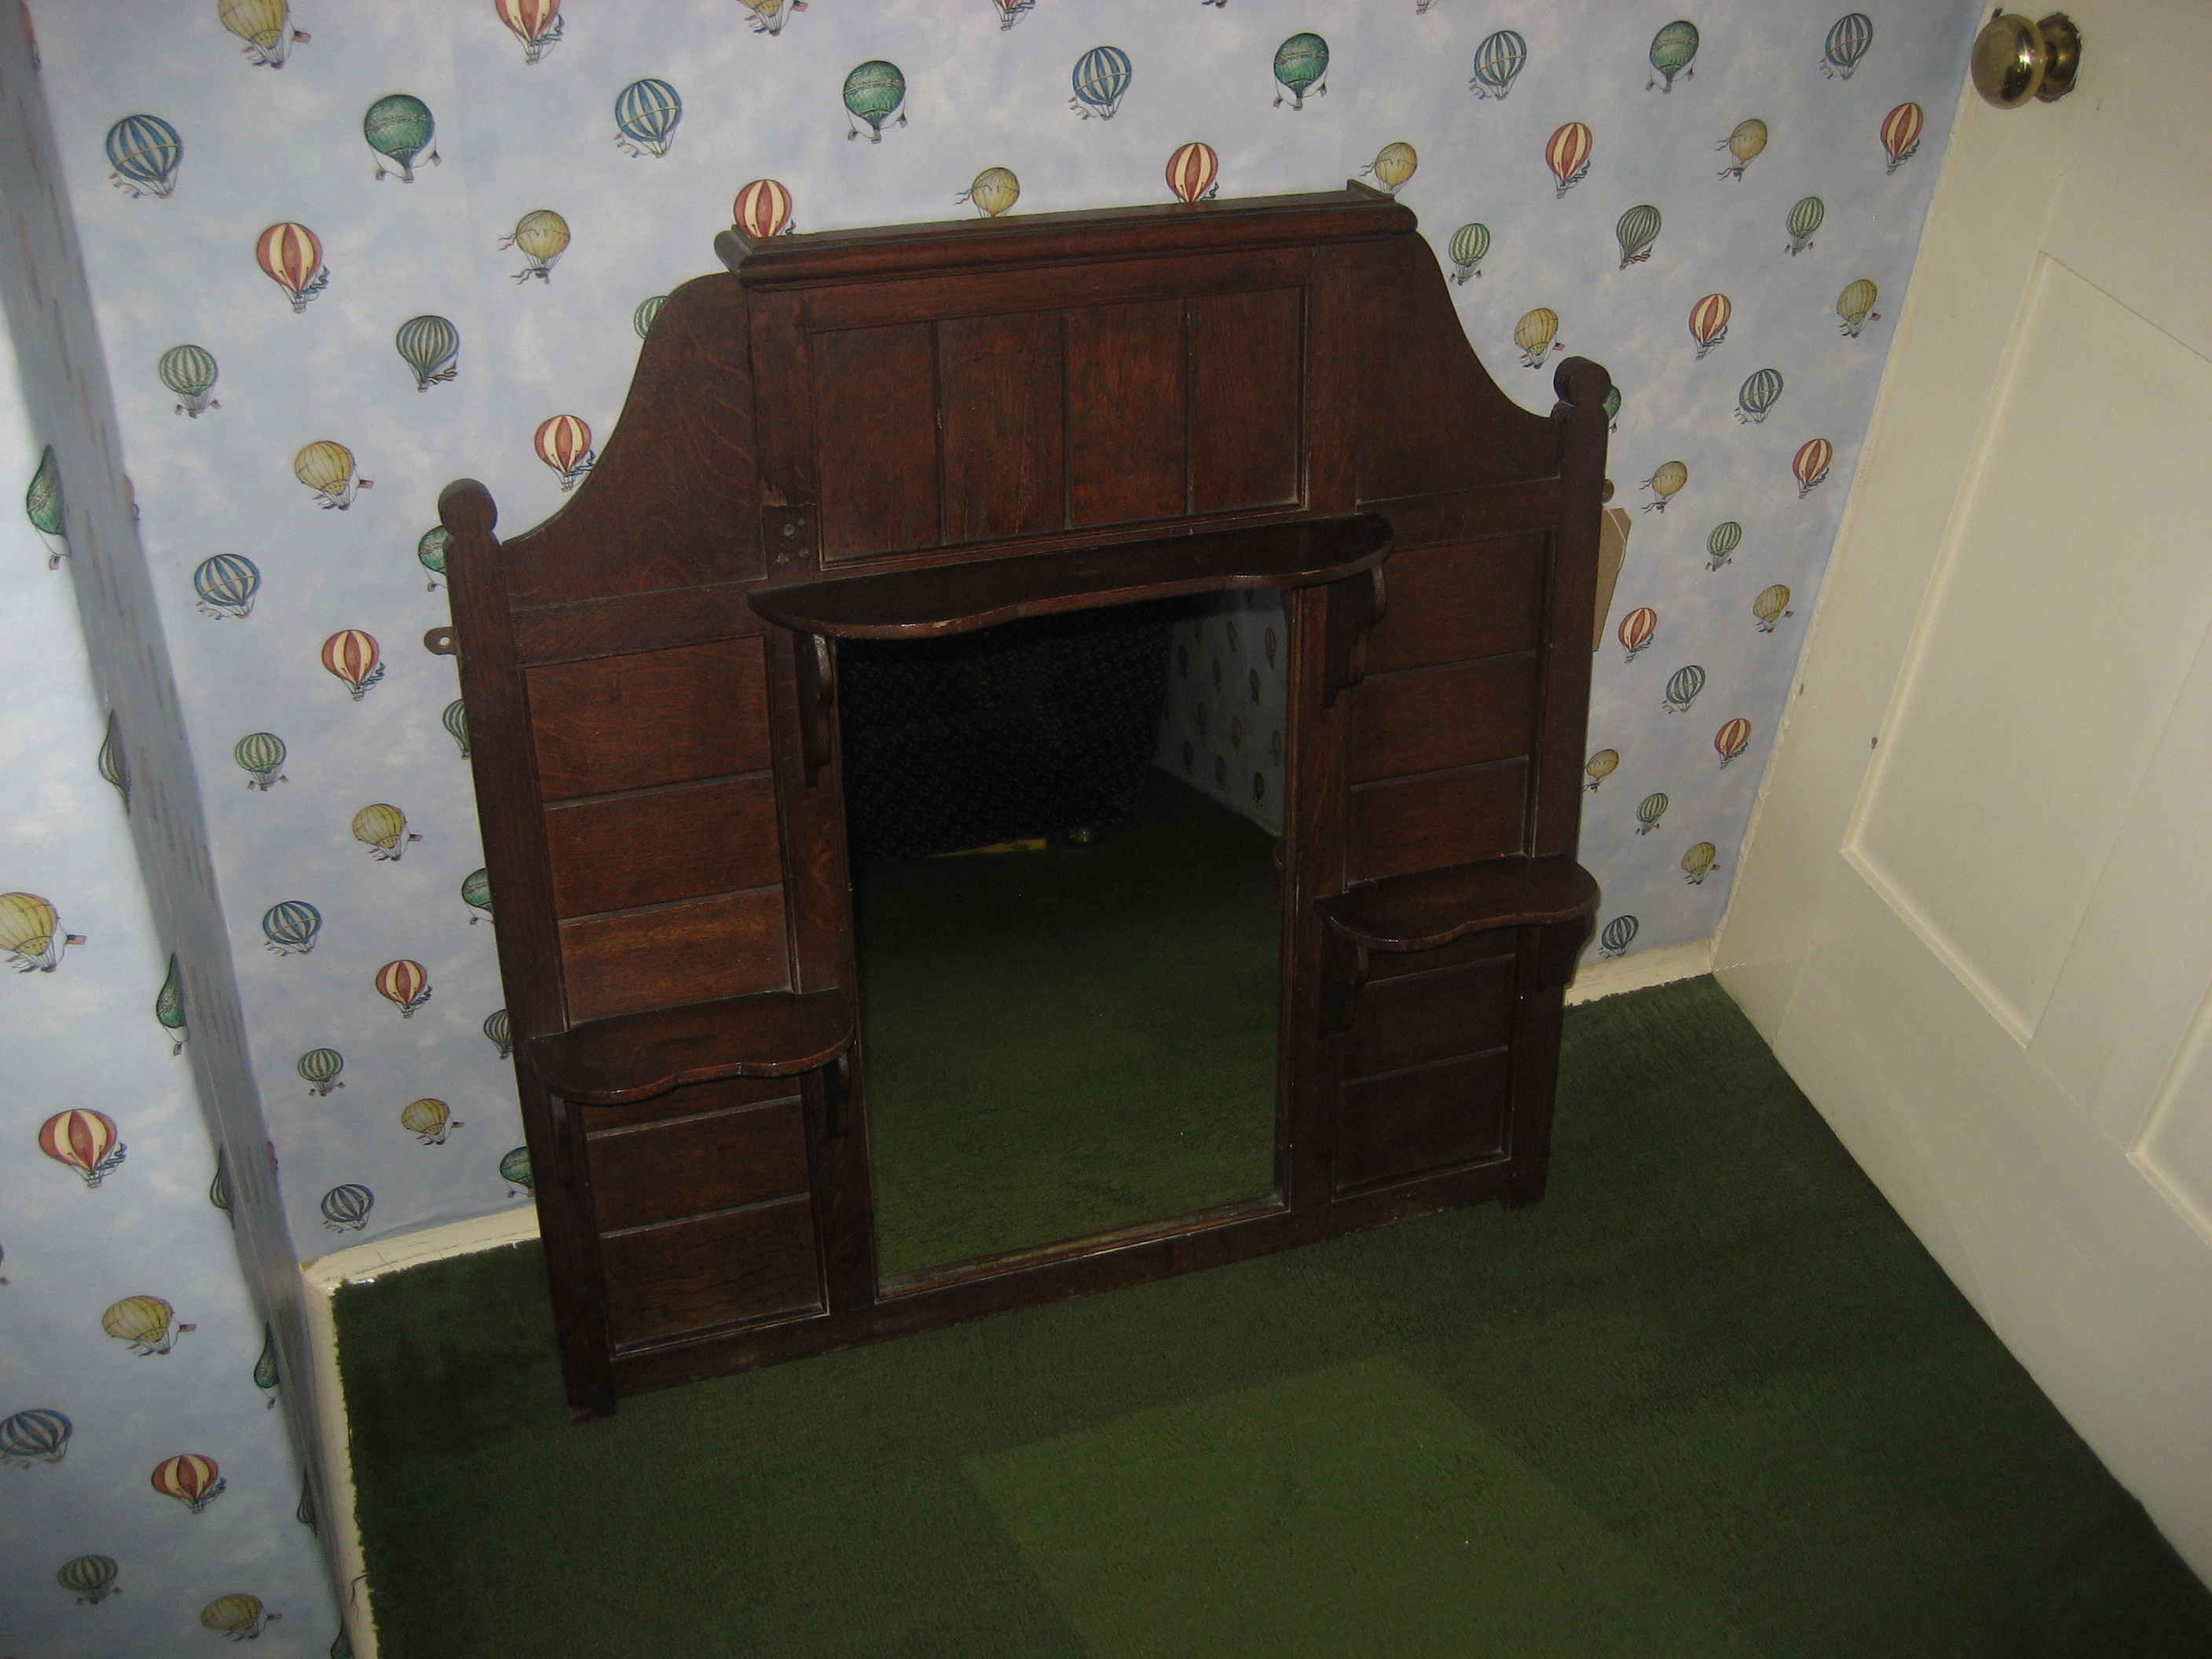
x=1974 y=915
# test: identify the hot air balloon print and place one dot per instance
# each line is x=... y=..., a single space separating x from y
x=1810 y=463
x=42 y=504
x=1470 y=243
x=225 y=584
x=1394 y=164
x=541 y=236
x=431 y=550
x=382 y=829
x=169 y=1007
x=1193 y=173
x=1663 y=483
x=352 y=657
x=994 y=191
x=874 y=91
x=320 y=1067
x=1698 y=861
x=266 y=1375
x=1725 y=540
x=1771 y=606
x=429 y=1121
x=219 y=1186
x=768 y=16
x=1804 y=219
x=1732 y=739
x=1900 y=134
x=144 y=150
x=36 y=1436
x=1636 y=630
x=114 y=765
x=1536 y=331
x=1012 y=12
x=1855 y=305
x=1848 y=40
x=1672 y=49
x=260 y=754
x=1618 y=935
x=190 y=371
x=288 y=927
x=345 y=1208
x=31 y=933
x=399 y=129
x=536 y=23
x=1757 y=395
x=1101 y=78
x=1600 y=766
x=241 y=1617
x=1301 y=65
x=1636 y=231
x=1498 y=60
x=762 y=209
x=83 y=1140
x=405 y=984
x=428 y=345
x=90 y=1578
x=1682 y=689
x=500 y=1034
x=476 y=893
x=327 y=468
x=646 y=114
x=565 y=443
x=1709 y=321
x=514 y=1169
x=455 y=720
x=265 y=26
x=291 y=257
x=193 y=1479
x=1743 y=146
x=145 y=1324
x=647 y=309
x=1648 y=812
x=1568 y=155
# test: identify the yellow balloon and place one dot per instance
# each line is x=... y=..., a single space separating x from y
x=1747 y=140
x=237 y=1616
x=323 y=467
x=27 y=925
x=140 y=1319
x=1395 y=164
x=1855 y=303
x=379 y=826
x=427 y=1118
x=1771 y=604
x=1699 y=860
x=542 y=234
x=994 y=190
x=1669 y=479
x=258 y=23
x=1534 y=331
x=1600 y=766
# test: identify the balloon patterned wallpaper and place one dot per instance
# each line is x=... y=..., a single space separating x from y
x=339 y=254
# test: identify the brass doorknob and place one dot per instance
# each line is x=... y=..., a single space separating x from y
x=2015 y=60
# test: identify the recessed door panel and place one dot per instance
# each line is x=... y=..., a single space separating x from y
x=1000 y=395
x=875 y=439
x=1127 y=453
x=1247 y=357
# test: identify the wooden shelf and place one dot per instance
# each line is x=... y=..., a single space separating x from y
x=1431 y=909
x=610 y=1062
x=959 y=598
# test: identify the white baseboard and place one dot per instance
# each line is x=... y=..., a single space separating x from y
x=1643 y=969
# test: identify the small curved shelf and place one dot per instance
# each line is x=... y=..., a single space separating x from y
x=959 y=598
x=1432 y=909
x=631 y=1057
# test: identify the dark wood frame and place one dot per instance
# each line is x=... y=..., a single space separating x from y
x=674 y=925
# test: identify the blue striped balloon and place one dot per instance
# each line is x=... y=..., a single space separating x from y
x=145 y=151
x=1101 y=76
x=1758 y=395
x=1497 y=61
x=646 y=114
x=1682 y=690
x=227 y=584
x=38 y=1436
x=1848 y=40
x=347 y=1207
x=1618 y=935
x=291 y=925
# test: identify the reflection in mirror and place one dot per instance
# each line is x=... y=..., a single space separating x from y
x=1069 y=959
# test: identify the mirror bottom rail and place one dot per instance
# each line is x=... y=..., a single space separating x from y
x=968 y=1291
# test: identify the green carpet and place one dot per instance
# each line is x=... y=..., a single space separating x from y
x=1069 y=1041
x=1710 y=1397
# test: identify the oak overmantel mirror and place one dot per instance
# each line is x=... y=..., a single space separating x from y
x=905 y=977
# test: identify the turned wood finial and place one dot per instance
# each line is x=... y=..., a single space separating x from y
x=466 y=508
x=1579 y=382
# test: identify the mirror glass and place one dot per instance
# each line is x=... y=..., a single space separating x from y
x=1069 y=956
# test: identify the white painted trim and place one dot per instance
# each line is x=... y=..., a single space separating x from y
x=321 y=1279
x=1643 y=969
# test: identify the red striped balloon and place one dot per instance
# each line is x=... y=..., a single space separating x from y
x=1732 y=739
x=1811 y=464
x=1900 y=133
x=763 y=209
x=83 y=1140
x=405 y=984
x=1637 y=628
x=352 y=656
x=562 y=442
x=290 y=256
x=1709 y=321
x=1192 y=171
x=191 y=1480
x=1568 y=154
x=532 y=21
